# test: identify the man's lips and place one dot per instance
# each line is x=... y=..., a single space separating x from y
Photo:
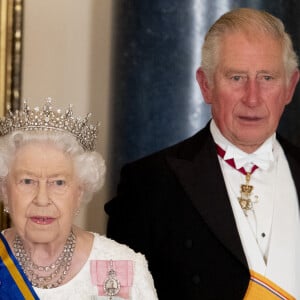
x=250 y=119
x=42 y=220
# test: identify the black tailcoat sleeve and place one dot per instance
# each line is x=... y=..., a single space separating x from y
x=173 y=207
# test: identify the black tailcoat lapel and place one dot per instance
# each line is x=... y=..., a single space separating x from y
x=292 y=154
x=197 y=168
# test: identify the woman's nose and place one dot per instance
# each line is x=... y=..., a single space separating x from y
x=42 y=194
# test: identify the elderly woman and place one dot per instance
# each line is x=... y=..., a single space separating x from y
x=48 y=167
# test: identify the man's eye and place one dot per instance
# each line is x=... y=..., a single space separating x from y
x=267 y=78
x=263 y=77
x=236 y=78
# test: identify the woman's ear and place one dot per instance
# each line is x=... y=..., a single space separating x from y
x=79 y=199
x=3 y=190
x=80 y=196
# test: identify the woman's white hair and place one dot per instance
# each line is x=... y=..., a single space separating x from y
x=89 y=165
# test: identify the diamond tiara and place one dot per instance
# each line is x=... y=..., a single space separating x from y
x=48 y=119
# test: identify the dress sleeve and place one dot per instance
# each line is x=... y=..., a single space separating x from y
x=143 y=285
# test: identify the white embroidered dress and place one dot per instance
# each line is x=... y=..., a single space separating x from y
x=81 y=287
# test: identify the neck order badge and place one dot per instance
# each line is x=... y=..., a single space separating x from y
x=245 y=201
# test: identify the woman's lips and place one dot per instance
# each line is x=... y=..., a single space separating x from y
x=42 y=220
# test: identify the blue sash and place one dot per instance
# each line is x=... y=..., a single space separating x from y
x=14 y=284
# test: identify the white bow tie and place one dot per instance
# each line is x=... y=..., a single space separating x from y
x=261 y=158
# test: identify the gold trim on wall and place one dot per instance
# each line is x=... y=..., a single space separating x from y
x=11 y=21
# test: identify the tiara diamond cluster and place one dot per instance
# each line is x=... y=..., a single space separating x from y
x=48 y=119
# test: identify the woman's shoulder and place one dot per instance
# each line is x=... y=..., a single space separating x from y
x=110 y=249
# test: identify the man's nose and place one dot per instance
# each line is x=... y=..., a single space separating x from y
x=251 y=93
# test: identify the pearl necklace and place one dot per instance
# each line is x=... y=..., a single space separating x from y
x=59 y=268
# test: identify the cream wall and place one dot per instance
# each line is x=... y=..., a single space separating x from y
x=66 y=56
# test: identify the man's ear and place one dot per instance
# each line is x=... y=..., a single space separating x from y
x=205 y=85
x=292 y=85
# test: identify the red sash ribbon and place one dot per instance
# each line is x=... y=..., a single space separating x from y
x=231 y=162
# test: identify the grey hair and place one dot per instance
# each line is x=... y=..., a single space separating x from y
x=245 y=20
x=89 y=166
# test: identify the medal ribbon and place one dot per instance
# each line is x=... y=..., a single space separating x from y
x=231 y=162
x=120 y=280
x=245 y=201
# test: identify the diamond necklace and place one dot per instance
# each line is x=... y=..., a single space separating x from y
x=55 y=272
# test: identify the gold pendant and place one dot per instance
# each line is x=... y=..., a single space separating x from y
x=246 y=189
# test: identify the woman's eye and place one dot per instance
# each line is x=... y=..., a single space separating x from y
x=59 y=182
x=27 y=181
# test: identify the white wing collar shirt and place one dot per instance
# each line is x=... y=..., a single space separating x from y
x=270 y=231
